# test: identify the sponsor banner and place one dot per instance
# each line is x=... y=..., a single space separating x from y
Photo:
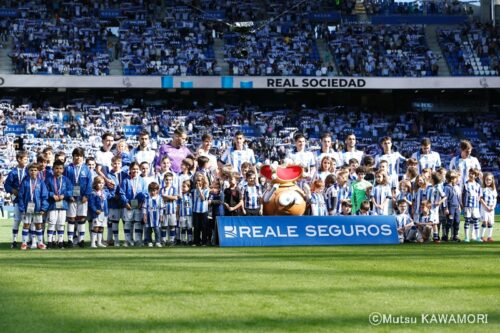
x=14 y=129
x=110 y=13
x=214 y=15
x=306 y=230
x=8 y=12
x=132 y=130
x=246 y=82
x=325 y=16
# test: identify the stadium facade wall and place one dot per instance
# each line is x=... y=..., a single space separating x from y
x=246 y=82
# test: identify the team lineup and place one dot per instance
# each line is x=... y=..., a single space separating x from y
x=173 y=196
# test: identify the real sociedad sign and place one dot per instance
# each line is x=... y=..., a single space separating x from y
x=306 y=230
x=307 y=82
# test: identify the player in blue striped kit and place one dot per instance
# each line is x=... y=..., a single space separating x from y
x=407 y=231
x=472 y=194
x=423 y=192
x=329 y=193
x=464 y=162
x=200 y=210
x=238 y=153
x=488 y=203
x=381 y=194
x=185 y=209
x=427 y=158
x=251 y=194
x=318 y=206
x=170 y=196
x=437 y=198
x=98 y=208
x=152 y=214
x=453 y=205
x=343 y=192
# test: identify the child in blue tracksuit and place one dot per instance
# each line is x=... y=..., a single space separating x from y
x=98 y=208
x=33 y=203
x=81 y=178
x=134 y=188
x=12 y=185
x=60 y=190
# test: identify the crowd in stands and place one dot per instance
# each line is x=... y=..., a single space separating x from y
x=472 y=49
x=177 y=38
x=447 y=7
x=382 y=50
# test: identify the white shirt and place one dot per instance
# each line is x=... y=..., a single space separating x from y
x=431 y=160
x=463 y=166
x=103 y=158
x=347 y=155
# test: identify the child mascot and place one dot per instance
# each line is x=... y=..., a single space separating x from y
x=285 y=197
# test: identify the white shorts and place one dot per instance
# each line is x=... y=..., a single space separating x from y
x=133 y=215
x=56 y=217
x=488 y=217
x=17 y=214
x=434 y=218
x=77 y=209
x=471 y=212
x=33 y=218
x=115 y=214
x=101 y=221
x=186 y=222
x=169 y=220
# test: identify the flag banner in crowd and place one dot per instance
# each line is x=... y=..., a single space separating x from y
x=131 y=130
x=306 y=230
x=15 y=129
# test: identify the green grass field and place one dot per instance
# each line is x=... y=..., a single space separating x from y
x=290 y=289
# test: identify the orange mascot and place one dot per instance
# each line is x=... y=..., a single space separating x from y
x=285 y=197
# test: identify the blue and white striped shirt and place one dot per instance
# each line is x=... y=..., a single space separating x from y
x=431 y=160
x=185 y=204
x=472 y=193
x=490 y=197
x=329 y=195
x=343 y=193
x=403 y=220
x=170 y=206
x=318 y=206
x=463 y=166
x=152 y=210
x=380 y=193
x=200 y=206
x=421 y=195
x=237 y=157
x=252 y=194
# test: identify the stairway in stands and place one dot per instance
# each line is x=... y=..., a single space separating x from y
x=432 y=42
x=360 y=11
x=5 y=61
x=219 y=56
x=325 y=54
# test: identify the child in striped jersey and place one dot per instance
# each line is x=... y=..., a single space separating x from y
x=353 y=175
x=472 y=194
x=364 y=208
x=437 y=198
x=152 y=214
x=330 y=189
x=381 y=194
x=422 y=192
x=343 y=192
x=424 y=223
x=200 y=209
x=405 y=195
x=407 y=231
x=251 y=195
x=185 y=212
x=170 y=196
x=318 y=206
x=488 y=204
x=187 y=166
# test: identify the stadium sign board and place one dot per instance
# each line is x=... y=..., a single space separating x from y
x=306 y=230
x=247 y=82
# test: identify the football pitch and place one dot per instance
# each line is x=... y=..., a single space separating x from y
x=287 y=289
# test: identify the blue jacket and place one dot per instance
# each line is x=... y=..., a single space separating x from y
x=128 y=192
x=40 y=196
x=84 y=180
x=117 y=197
x=64 y=187
x=47 y=173
x=13 y=182
x=97 y=202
